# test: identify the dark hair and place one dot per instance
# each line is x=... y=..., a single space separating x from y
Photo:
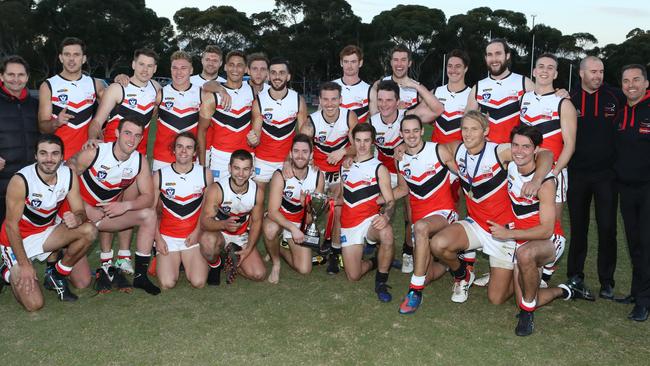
x=503 y=42
x=531 y=132
x=389 y=85
x=133 y=119
x=236 y=53
x=240 y=154
x=13 y=59
x=351 y=50
x=187 y=134
x=69 y=41
x=257 y=56
x=364 y=127
x=280 y=61
x=212 y=49
x=50 y=138
x=462 y=55
x=547 y=55
x=329 y=85
x=401 y=48
x=146 y=52
x=410 y=117
x=301 y=137
x=635 y=66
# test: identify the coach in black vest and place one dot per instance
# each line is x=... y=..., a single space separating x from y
x=18 y=122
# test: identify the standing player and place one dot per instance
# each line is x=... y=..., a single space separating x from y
x=354 y=91
x=537 y=229
x=258 y=70
x=180 y=189
x=106 y=173
x=330 y=128
x=34 y=196
x=68 y=100
x=211 y=62
x=231 y=218
x=499 y=94
x=362 y=219
x=424 y=176
x=286 y=211
x=178 y=111
x=227 y=128
x=481 y=169
x=276 y=115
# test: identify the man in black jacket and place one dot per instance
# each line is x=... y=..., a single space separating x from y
x=591 y=174
x=18 y=122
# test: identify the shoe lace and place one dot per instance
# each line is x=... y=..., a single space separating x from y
x=58 y=285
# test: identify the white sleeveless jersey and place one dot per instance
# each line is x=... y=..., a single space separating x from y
x=409 y=96
x=178 y=112
x=543 y=113
x=236 y=205
x=387 y=138
x=107 y=177
x=181 y=196
x=290 y=207
x=278 y=126
x=199 y=80
x=230 y=127
x=360 y=191
x=355 y=98
x=447 y=125
x=500 y=100
x=329 y=137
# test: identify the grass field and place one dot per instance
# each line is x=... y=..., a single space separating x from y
x=320 y=319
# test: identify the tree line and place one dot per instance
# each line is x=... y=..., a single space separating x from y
x=310 y=33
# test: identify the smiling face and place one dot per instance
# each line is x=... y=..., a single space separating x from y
x=240 y=171
x=128 y=137
x=523 y=151
x=211 y=63
x=400 y=63
x=14 y=78
x=48 y=157
x=456 y=70
x=473 y=133
x=592 y=73
x=329 y=101
x=545 y=71
x=387 y=103
x=235 y=68
x=300 y=155
x=279 y=76
x=634 y=85
x=412 y=133
x=496 y=59
x=144 y=67
x=184 y=150
x=181 y=71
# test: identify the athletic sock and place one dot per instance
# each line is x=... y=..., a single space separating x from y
x=527 y=306
x=140 y=280
x=124 y=254
x=106 y=258
x=216 y=263
x=380 y=277
x=461 y=272
x=406 y=249
x=62 y=269
x=417 y=283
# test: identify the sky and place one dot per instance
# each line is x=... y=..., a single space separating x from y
x=608 y=21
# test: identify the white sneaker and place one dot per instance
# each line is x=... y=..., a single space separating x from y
x=407 y=263
x=483 y=280
x=461 y=289
x=543 y=284
x=125 y=265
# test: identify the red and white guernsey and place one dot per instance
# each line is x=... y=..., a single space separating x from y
x=199 y=80
x=329 y=137
x=290 y=207
x=178 y=112
x=229 y=128
x=409 y=96
x=525 y=208
x=360 y=192
x=484 y=186
x=447 y=126
x=236 y=205
x=500 y=100
x=278 y=126
x=136 y=101
x=543 y=113
x=80 y=97
x=387 y=138
x=428 y=181
x=355 y=98
x=181 y=196
x=107 y=177
x=42 y=201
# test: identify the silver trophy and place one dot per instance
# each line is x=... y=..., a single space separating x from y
x=319 y=205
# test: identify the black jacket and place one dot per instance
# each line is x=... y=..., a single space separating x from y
x=633 y=142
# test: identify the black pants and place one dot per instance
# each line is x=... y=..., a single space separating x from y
x=635 y=208
x=602 y=187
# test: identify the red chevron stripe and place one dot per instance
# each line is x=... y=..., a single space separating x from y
x=354 y=104
x=236 y=111
x=533 y=119
x=361 y=182
x=452 y=114
x=73 y=104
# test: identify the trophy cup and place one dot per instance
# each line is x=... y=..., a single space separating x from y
x=317 y=204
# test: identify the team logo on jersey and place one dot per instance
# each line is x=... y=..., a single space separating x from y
x=523 y=111
x=486 y=96
x=101 y=175
x=609 y=110
x=268 y=117
x=226 y=209
x=462 y=169
x=63 y=98
x=407 y=172
x=169 y=105
x=322 y=137
x=170 y=192
x=288 y=194
x=510 y=183
x=133 y=102
x=36 y=203
x=381 y=140
x=344 y=177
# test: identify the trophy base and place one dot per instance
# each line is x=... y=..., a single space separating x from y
x=312 y=242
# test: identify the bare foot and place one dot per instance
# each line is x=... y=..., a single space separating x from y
x=274 y=276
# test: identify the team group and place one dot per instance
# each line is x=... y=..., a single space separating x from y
x=221 y=143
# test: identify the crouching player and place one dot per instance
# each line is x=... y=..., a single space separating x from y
x=286 y=210
x=362 y=219
x=231 y=219
x=537 y=230
x=30 y=231
x=181 y=186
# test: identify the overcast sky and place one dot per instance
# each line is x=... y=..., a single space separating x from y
x=609 y=21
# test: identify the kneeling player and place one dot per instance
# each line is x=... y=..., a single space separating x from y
x=423 y=174
x=30 y=231
x=361 y=217
x=180 y=188
x=287 y=212
x=538 y=231
x=231 y=218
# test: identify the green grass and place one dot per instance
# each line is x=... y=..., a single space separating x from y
x=320 y=319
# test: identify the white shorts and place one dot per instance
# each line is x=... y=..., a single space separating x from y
x=177 y=244
x=33 y=245
x=562 y=186
x=559 y=242
x=264 y=170
x=450 y=215
x=286 y=234
x=393 y=180
x=239 y=240
x=358 y=234
x=157 y=165
x=219 y=161
x=501 y=252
